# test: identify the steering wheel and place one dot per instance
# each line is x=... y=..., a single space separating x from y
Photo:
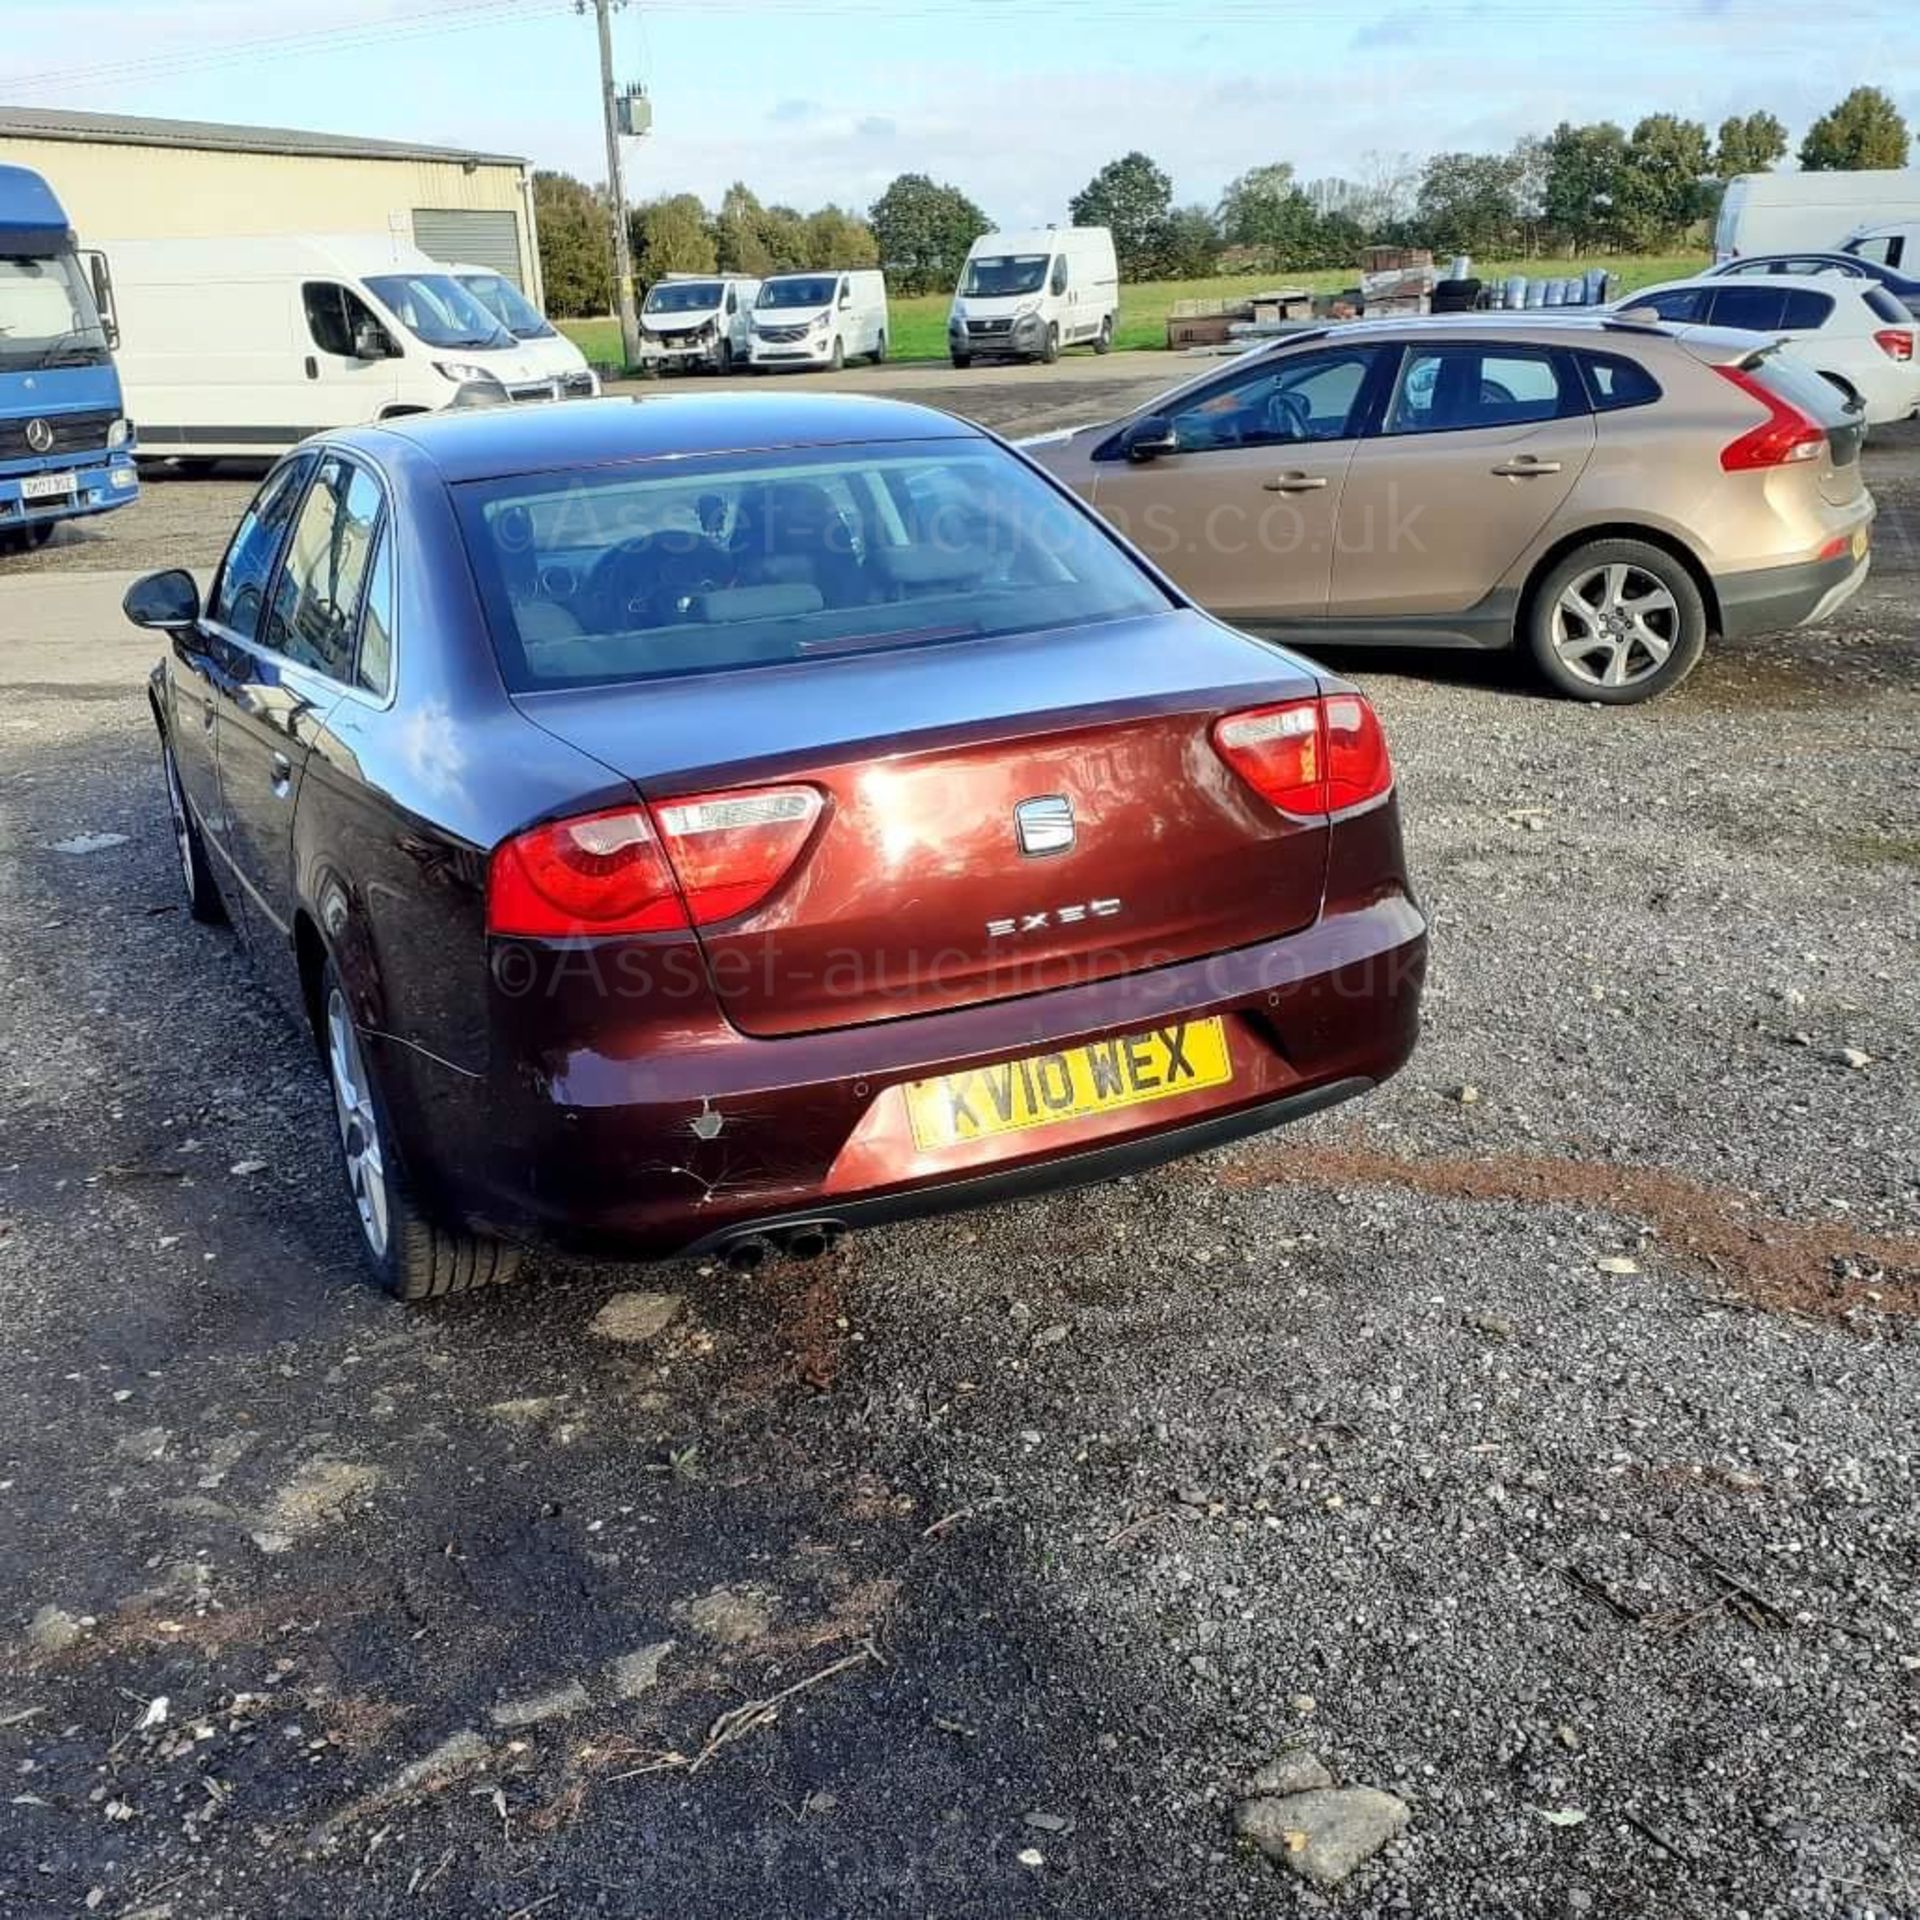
x=1288 y=417
x=647 y=581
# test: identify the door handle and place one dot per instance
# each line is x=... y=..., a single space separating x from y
x=1526 y=467
x=282 y=769
x=1295 y=483
x=313 y=368
x=206 y=715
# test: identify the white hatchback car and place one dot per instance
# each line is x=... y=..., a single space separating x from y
x=1854 y=332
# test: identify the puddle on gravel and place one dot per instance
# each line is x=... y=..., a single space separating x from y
x=1824 y=1270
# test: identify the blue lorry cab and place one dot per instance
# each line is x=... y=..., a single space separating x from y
x=66 y=445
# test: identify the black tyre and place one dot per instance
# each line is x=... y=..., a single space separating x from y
x=723 y=360
x=415 y=1258
x=1051 y=351
x=1103 y=340
x=962 y=361
x=880 y=352
x=203 y=897
x=838 y=358
x=1617 y=621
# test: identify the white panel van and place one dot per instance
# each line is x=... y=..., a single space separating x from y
x=1024 y=296
x=1798 y=212
x=820 y=319
x=246 y=345
x=543 y=341
x=691 y=320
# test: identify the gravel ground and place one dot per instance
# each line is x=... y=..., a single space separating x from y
x=1543 y=1454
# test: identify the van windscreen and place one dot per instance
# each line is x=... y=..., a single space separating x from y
x=436 y=308
x=998 y=276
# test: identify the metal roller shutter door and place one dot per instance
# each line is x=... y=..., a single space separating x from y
x=473 y=238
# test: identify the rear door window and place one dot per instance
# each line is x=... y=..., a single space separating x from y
x=1454 y=389
x=1677 y=303
x=316 y=596
x=1750 y=309
x=240 y=589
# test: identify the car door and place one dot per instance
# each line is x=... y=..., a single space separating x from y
x=1242 y=512
x=288 y=680
x=1479 y=445
x=343 y=390
x=202 y=661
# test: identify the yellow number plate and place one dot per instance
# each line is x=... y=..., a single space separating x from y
x=1013 y=1095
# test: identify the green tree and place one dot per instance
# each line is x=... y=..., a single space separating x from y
x=837 y=238
x=1469 y=202
x=1189 y=244
x=1749 y=143
x=1582 y=183
x=739 y=233
x=576 y=245
x=1264 y=209
x=1864 y=130
x=672 y=235
x=1133 y=197
x=1662 y=189
x=923 y=230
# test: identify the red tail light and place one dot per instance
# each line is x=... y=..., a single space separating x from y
x=710 y=857
x=1308 y=756
x=1896 y=342
x=1784 y=438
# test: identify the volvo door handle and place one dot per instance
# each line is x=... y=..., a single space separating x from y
x=1295 y=483
x=282 y=769
x=1526 y=467
x=206 y=715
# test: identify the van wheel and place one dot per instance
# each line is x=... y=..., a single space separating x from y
x=1103 y=340
x=723 y=360
x=414 y=1257
x=880 y=351
x=961 y=360
x=1617 y=621
x=1051 y=351
x=838 y=358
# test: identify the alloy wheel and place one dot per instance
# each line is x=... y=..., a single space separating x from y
x=359 y=1126
x=1615 y=625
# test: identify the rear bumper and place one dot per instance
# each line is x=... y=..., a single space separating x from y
x=712 y=1135
x=1772 y=599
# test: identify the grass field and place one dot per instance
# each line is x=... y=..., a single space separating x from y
x=920 y=323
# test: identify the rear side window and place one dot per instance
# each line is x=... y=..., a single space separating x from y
x=731 y=561
x=1750 y=309
x=1454 y=388
x=373 y=667
x=1886 y=307
x=1614 y=381
x=240 y=591
x=316 y=598
x=1806 y=312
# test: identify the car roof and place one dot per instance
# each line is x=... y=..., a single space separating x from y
x=1546 y=323
x=1813 y=282
x=478 y=443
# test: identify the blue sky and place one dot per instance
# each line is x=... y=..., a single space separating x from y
x=1017 y=101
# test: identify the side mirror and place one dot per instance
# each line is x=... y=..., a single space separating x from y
x=168 y=601
x=370 y=343
x=1149 y=437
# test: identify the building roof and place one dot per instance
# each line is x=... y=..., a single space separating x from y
x=120 y=129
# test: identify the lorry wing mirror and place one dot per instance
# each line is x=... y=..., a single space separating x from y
x=1149 y=437
x=103 y=295
x=168 y=601
x=371 y=343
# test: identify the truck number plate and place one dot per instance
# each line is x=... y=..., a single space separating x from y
x=46 y=486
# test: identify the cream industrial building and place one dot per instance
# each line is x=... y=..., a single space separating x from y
x=130 y=179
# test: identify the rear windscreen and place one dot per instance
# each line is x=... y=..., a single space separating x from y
x=698 y=564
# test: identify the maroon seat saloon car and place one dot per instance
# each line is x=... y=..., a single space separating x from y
x=711 y=823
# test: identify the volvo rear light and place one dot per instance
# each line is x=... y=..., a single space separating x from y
x=730 y=850
x=1308 y=756
x=1786 y=437
x=694 y=861
x=1896 y=343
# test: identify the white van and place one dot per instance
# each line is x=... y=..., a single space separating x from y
x=1895 y=245
x=697 y=320
x=1796 y=212
x=820 y=319
x=544 y=342
x=1026 y=295
x=246 y=345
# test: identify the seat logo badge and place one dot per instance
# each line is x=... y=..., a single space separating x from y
x=1044 y=824
x=40 y=439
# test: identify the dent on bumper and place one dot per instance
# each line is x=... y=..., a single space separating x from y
x=656 y=1154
